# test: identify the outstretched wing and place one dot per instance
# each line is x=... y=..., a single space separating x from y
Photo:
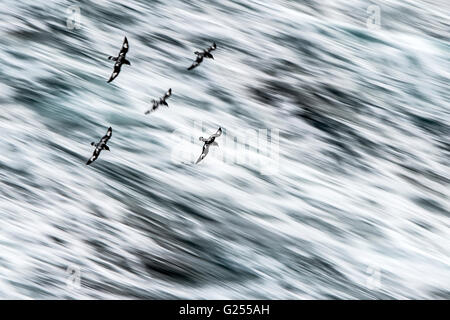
x=107 y=135
x=168 y=94
x=217 y=134
x=115 y=71
x=94 y=156
x=125 y=46
x=194 y=65
x=204 y=153
x=154 y=107
x=196 y=62
x=211 y=48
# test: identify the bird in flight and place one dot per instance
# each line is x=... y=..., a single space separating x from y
x=161 y=101
x=209 y=142
x=120 y=60
x=101 y=145
x=203 y=54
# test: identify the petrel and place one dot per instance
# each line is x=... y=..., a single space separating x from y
x=203 y=54
x=120 y=60
x=208 y=142
x=156 y=103
x=101 y=145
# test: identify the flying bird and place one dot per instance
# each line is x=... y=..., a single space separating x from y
x=120 y=60
x=203 y=54
x=162 y=101
x=209 y=142
x=101 y=145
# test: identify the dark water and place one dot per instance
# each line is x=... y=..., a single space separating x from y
x=351 y=202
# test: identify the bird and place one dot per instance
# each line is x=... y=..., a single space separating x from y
x=203 y=54
x=101 y=145
x=120 y=60
x=209 y=142
x=162 y=101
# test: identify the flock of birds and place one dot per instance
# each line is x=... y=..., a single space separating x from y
x=121 y=60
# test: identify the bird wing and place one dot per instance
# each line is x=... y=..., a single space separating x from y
x=217 y=134
x=107 y=135
x=194 y=65
x=168 y=94
x=125 y=46
x=115 y=72
x=94 y=156
x=154 y=107
x=211 y=48
x=204 y=153
x=196 y=62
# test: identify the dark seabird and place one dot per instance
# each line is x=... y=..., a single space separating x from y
x=208 y=142
x=101 y=145
x=162 y=101
x=203 y=54
x=120 y=60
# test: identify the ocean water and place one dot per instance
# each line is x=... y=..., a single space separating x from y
x=350 y=200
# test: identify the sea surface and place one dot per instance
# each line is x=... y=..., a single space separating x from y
x=350 y=199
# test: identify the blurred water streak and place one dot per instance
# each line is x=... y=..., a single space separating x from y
x=357 y=208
